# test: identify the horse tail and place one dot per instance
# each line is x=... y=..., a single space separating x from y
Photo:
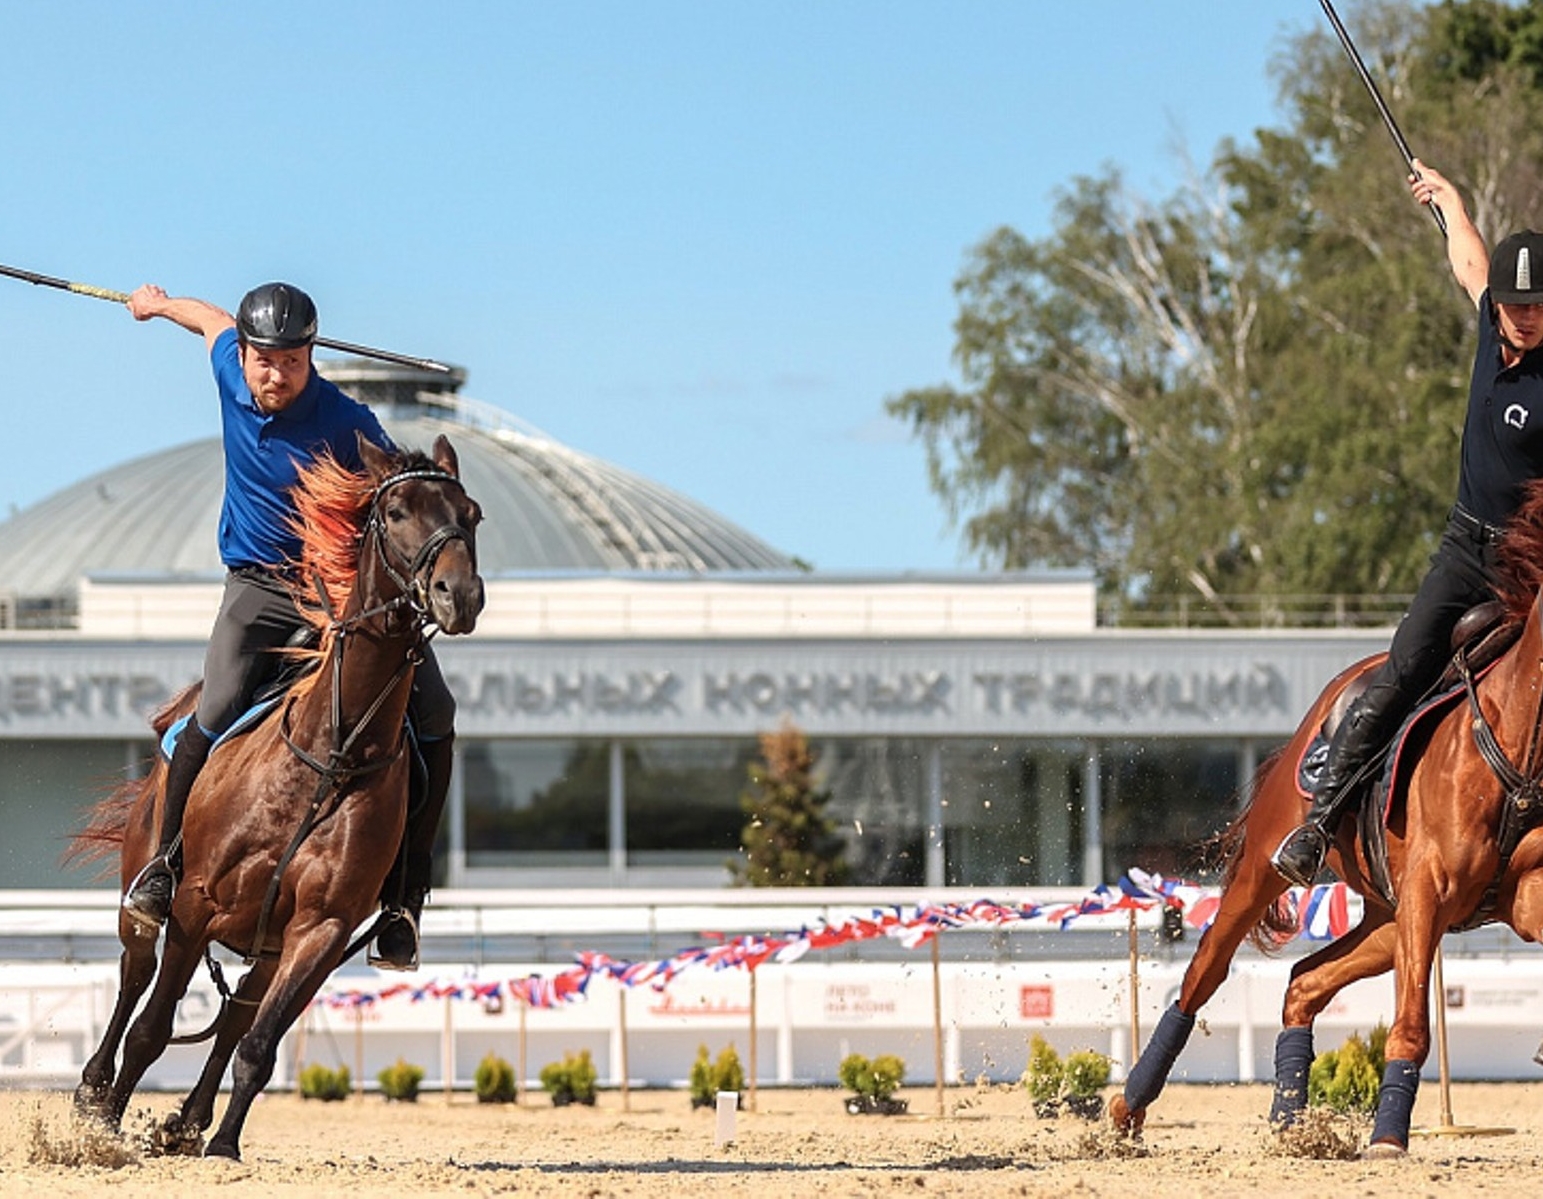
x=107 y=821
x=1276 y=924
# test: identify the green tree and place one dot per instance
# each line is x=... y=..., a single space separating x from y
x=1255 y=385
x=787 y=841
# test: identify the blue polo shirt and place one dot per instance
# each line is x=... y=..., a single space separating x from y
x=1503 y=430
x=264 y=453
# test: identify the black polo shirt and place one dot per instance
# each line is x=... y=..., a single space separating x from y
x=1503 y=430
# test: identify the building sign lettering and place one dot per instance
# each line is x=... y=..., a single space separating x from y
x=640 y=691
x=1259 y=688
x=34 y=696
x=908 y=691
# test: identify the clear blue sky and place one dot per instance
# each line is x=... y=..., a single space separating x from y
x=704 y=241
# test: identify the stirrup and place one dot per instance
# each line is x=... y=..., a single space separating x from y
x=396 y=917
x=149 y=921
x=1291 y=868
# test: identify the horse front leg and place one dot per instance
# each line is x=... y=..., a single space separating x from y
x=306 y=962
x=1421 y=922
x=182 y=1132
x=1364 y=952
x=1254 y=888
x=136 y=967
x=148 y=1035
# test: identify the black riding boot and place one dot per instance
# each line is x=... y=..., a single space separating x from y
x=1361 y=734
x=396 y=946
x=148 y=901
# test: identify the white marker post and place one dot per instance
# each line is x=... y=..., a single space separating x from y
x=728 y=1105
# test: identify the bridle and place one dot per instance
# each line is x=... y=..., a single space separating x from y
x=410 y=575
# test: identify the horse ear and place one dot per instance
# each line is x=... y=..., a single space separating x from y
x=375 y=459
x=444 y=456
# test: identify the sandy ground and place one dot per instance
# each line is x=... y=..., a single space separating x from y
x=1200 y=1141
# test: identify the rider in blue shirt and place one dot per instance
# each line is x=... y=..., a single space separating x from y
x=277 y=416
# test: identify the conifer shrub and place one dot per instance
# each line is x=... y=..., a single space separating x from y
x=494 y=1080
x=321 y=1082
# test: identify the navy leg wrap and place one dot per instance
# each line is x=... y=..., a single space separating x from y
x=1293 y=1060
x=1395 y=1103
x=1146 y=1078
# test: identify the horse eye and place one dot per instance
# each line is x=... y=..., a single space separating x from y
x=396 y=514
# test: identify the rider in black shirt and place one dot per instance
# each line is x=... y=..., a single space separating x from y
x=1502 y=451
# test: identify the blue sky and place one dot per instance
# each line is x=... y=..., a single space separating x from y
x=704 y=241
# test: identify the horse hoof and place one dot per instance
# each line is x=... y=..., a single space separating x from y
x=1123 y=1119
x=1383 y=1151
x=173 y=1137
x=222 y=1149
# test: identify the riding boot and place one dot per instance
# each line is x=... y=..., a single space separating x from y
x=149 y=897
x=396 y=946
x=1361 y=734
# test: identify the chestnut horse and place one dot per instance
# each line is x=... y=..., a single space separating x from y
x=293 y=826
x=1444 y=858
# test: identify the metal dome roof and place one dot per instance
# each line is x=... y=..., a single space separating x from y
x=548 y=507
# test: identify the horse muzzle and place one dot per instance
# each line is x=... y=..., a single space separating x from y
x=455 y=599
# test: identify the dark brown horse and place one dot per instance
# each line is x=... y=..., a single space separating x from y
x=1444 y=863
x=292 y=827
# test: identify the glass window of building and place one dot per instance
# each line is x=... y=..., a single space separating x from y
x=682 y=800
x=1012 y=813
x=47 y=789
x=1162 y=800
x=878 y=802
x=536 y=802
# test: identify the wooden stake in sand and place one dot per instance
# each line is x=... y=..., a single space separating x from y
x=1135 y=987
x=754 y=1069
x=621 y=1016
x=519 y=1053
x=937 y=1020
x=1447 y=1128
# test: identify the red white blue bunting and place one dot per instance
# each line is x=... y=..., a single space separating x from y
x=1321 y=913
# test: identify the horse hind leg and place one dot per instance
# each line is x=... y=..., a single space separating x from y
x=136 y=969
x=306 y=962
x=1363 y=952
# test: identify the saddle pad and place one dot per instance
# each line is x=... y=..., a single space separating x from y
x=1390 y=778
x=249 y=719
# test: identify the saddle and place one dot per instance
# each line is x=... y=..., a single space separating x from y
x=1479 y=640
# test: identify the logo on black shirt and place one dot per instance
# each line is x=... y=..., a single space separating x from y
x=1516 y=416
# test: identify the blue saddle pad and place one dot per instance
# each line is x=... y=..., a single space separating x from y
x=247 y=720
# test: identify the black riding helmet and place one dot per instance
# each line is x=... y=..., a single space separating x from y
x=276 y=316
x=1516 y=269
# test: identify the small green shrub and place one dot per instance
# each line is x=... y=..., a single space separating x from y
x=1072 y=1084
x=572 y=1080
x=319 y=1082
x=1086 y=1073
x=1043 y=1077
x=876 y=1079
x=494 y=1080
x=1347 y=1079
x=708 y=1077
x=400 y=1082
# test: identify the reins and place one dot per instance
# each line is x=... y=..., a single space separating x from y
x=336 y=772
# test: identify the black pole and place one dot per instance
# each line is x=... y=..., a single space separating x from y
x=121 y=297
x=1387 y=117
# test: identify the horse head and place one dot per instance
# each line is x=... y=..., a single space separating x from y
x=424 y=527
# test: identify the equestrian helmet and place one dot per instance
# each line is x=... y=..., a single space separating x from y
x=279 y=316
x=1516 y=269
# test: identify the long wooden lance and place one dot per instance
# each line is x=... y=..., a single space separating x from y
x=1382 y=107
x=120 y=297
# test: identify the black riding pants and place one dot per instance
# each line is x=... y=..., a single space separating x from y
x=257 y=617
x=1459 y=578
